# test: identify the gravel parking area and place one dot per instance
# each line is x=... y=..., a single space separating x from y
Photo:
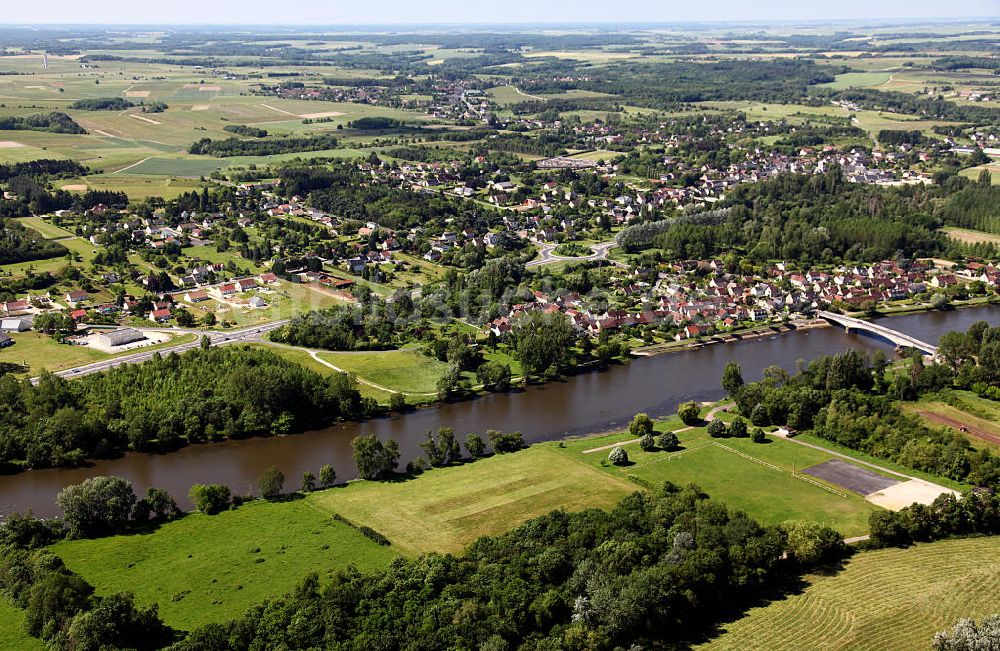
x=849 y=476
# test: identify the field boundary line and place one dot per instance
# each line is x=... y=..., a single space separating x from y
x=132 y=165
x=747 y=456
x=808 y=480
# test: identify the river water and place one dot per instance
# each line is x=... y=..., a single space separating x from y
x=590 y=402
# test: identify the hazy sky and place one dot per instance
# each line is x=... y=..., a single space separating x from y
x=328 y=12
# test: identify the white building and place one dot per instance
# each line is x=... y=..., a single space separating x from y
x=120 y=337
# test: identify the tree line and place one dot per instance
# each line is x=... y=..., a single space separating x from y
x=853 y=401
x=239 y=147
x=54 y=122
x=203 y=395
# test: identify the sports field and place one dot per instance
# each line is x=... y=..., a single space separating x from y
x=445 y=509
x=765 y=480
x=204 y=569
x=882 y=600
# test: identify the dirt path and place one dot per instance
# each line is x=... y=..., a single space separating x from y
x=131 y=166
x=275 y=108
x=710 y=416
x=523 y=94
x=958 y=425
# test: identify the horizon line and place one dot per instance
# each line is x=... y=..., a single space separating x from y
x=522 y=23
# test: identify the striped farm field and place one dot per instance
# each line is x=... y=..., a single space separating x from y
x=882 y=600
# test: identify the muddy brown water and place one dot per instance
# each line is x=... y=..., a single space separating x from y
x=590 y=402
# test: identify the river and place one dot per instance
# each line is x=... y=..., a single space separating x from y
x=590 y=402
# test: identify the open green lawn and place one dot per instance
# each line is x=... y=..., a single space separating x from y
x=203 y=569
x=12 y=635
x=882 y=600
x=857 y=80
x=974 y=172
x=770 y=494
x=406 y=371
x=445 y=509
x=47 y=229
x=138 y=187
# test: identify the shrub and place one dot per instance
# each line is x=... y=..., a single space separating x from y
x=717 y=429
x=640 y=426
x=270 y=482
x=327 y=476
x=475 y=445
x=738 y=428
x=618 y=456
x=759 y=415
x=668 y=441
x=647 y=443
x=210 y=498
x=758 y=436
x=397 y=401
x=689 y=413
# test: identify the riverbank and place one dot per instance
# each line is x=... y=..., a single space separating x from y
x=729 y=337
x=578 y=405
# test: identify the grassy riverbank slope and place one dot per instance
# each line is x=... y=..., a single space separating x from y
x=202 y=569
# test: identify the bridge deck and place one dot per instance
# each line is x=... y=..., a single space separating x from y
x=894 y=336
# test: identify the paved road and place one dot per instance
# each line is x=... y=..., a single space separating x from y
x=245 y=335
x=546 y=254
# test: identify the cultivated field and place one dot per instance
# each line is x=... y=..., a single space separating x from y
x=204 y=569
x=445 y=509
x=882 y=600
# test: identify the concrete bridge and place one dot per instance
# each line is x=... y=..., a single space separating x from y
x=901 y=340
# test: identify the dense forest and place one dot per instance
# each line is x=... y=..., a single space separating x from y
x=202 y=395
x=20 y=244
x=55 y=122
x=102 y=104
x=42 y=167
x=665 y=84
x=974 y=207
x=345 y=192
x=244 y=130
x=239 y=147
x=819 y=218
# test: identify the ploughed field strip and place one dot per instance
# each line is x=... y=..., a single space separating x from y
x=851 y=477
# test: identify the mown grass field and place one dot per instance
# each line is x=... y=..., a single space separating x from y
x=979 y=414
x=857 y=80
x=445 y=509
x=968 y=236
x=405 y=370
x=46 y=229
x=12 y=635
x=203 y=569
x=770 y=494
x=882 y=600
x=974 y=172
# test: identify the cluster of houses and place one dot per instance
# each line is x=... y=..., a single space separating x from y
x=696 y=296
